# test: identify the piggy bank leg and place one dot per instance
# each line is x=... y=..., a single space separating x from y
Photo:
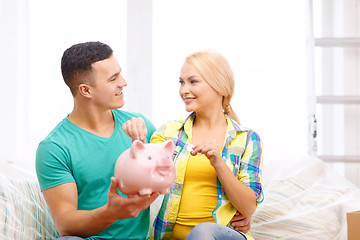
x=166 y=191
x=145 y=191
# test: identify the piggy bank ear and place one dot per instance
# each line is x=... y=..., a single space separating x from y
x=168 y=146
x=136 y=147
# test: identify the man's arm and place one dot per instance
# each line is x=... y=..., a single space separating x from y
x=241 y=223
x=62 y=203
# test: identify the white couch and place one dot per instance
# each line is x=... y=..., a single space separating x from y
x=23 y=212
x=303 y=200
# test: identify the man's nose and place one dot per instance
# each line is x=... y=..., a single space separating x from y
x=122 y=82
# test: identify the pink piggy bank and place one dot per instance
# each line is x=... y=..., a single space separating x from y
x=146 y=168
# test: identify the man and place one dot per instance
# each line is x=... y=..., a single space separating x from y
x=75 y=162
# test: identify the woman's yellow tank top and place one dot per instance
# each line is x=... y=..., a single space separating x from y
x=199 y=196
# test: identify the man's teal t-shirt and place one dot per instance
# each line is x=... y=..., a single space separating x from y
x=71 y=154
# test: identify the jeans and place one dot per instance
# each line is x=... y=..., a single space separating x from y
x=213 y=231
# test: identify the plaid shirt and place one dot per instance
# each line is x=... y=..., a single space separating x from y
x=242 y=153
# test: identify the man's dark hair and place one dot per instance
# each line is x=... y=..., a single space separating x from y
x=76 y=62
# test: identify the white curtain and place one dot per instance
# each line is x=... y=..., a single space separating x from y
x=14 y=79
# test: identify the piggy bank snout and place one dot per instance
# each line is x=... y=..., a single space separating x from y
x=165 y=162
x=164 y=166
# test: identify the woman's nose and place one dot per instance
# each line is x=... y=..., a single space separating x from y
x=184 y=88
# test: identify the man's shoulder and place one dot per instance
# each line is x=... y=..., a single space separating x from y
x=126 y=114
x=56 y=131
x=58 y=138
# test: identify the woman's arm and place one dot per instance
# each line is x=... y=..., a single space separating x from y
x=242 y=197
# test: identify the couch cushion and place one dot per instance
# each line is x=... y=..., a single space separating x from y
x=303 y=200
x=23 y=212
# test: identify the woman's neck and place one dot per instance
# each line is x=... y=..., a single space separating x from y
x=210 y=120
x=209 y=128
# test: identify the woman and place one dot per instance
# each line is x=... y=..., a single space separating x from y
x=218 y=161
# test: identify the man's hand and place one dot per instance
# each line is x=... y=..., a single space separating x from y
x=69 y=221
x=136 y=129
x=241 y=223
x=127 y=207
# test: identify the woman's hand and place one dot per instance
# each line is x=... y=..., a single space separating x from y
x=136 y=129
x=211 y=150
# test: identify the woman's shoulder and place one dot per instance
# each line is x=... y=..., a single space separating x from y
x=248 y=132
x=171 y=126
x=168 y=130
x=240 y=129
x=243 y=132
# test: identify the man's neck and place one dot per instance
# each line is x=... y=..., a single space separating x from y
x=95 y=121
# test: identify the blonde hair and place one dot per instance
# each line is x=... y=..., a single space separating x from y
x=216 y=71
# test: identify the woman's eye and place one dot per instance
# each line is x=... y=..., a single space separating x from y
x=181 y=82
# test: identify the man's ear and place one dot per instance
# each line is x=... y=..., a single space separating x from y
x=84 y=90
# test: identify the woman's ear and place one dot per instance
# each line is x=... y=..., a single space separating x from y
x=84 y=90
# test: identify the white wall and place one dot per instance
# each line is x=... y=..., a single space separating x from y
x=264 y=41
x=35 y=34
x=54 y=26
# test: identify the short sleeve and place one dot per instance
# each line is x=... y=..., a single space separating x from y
x=52 y=165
